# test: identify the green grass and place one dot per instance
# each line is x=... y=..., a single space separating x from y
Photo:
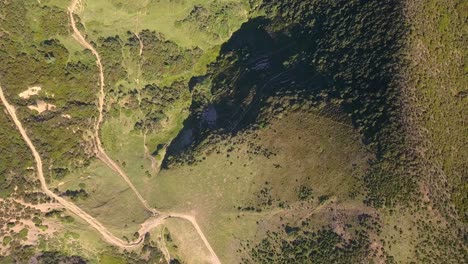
x=403 y=247
x=108 y=18
x=108 y=259
x=110 y=199
x=6 y=240
x=6 y=260
x=208 y=57
x=23 y=233
x=185 y=242
x=81 y=240
x=59 y=3
x=76 y=52
x=313 y=151
x=126 y=145
x=43 y=227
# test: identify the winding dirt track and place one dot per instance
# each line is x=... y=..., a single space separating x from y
x=157 y=219
x=99 y=151
x=108 y=236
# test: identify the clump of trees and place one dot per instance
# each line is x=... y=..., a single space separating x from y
x=32 y=54
x=305 y=193
x=162 y=57
x=76 y=195
x=216 y=20
x=322 y=246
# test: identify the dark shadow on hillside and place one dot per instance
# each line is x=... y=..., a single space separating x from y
x=343 y=51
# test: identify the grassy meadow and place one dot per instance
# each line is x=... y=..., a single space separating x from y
x=107 y=197
x=311 y=152
x=108 y=18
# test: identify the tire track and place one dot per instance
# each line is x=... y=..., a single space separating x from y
x=106 y=234
x=102 y=155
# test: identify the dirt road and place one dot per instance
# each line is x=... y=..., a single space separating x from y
x=191 y=219
x=108 y=236
x=99 y=151
x=147 y=226
x=102 y=155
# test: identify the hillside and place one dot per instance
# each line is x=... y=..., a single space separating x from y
x=221 y=131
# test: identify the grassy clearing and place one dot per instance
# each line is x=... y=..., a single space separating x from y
x=311 y=150
x=304 y=147
x=184 y=243
x=400 y=232
x=80 y=239
x=76 y=52
x=127 y=145
x=58 y=3
x=108 y=259
x=108 y=18
x=109 y=198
